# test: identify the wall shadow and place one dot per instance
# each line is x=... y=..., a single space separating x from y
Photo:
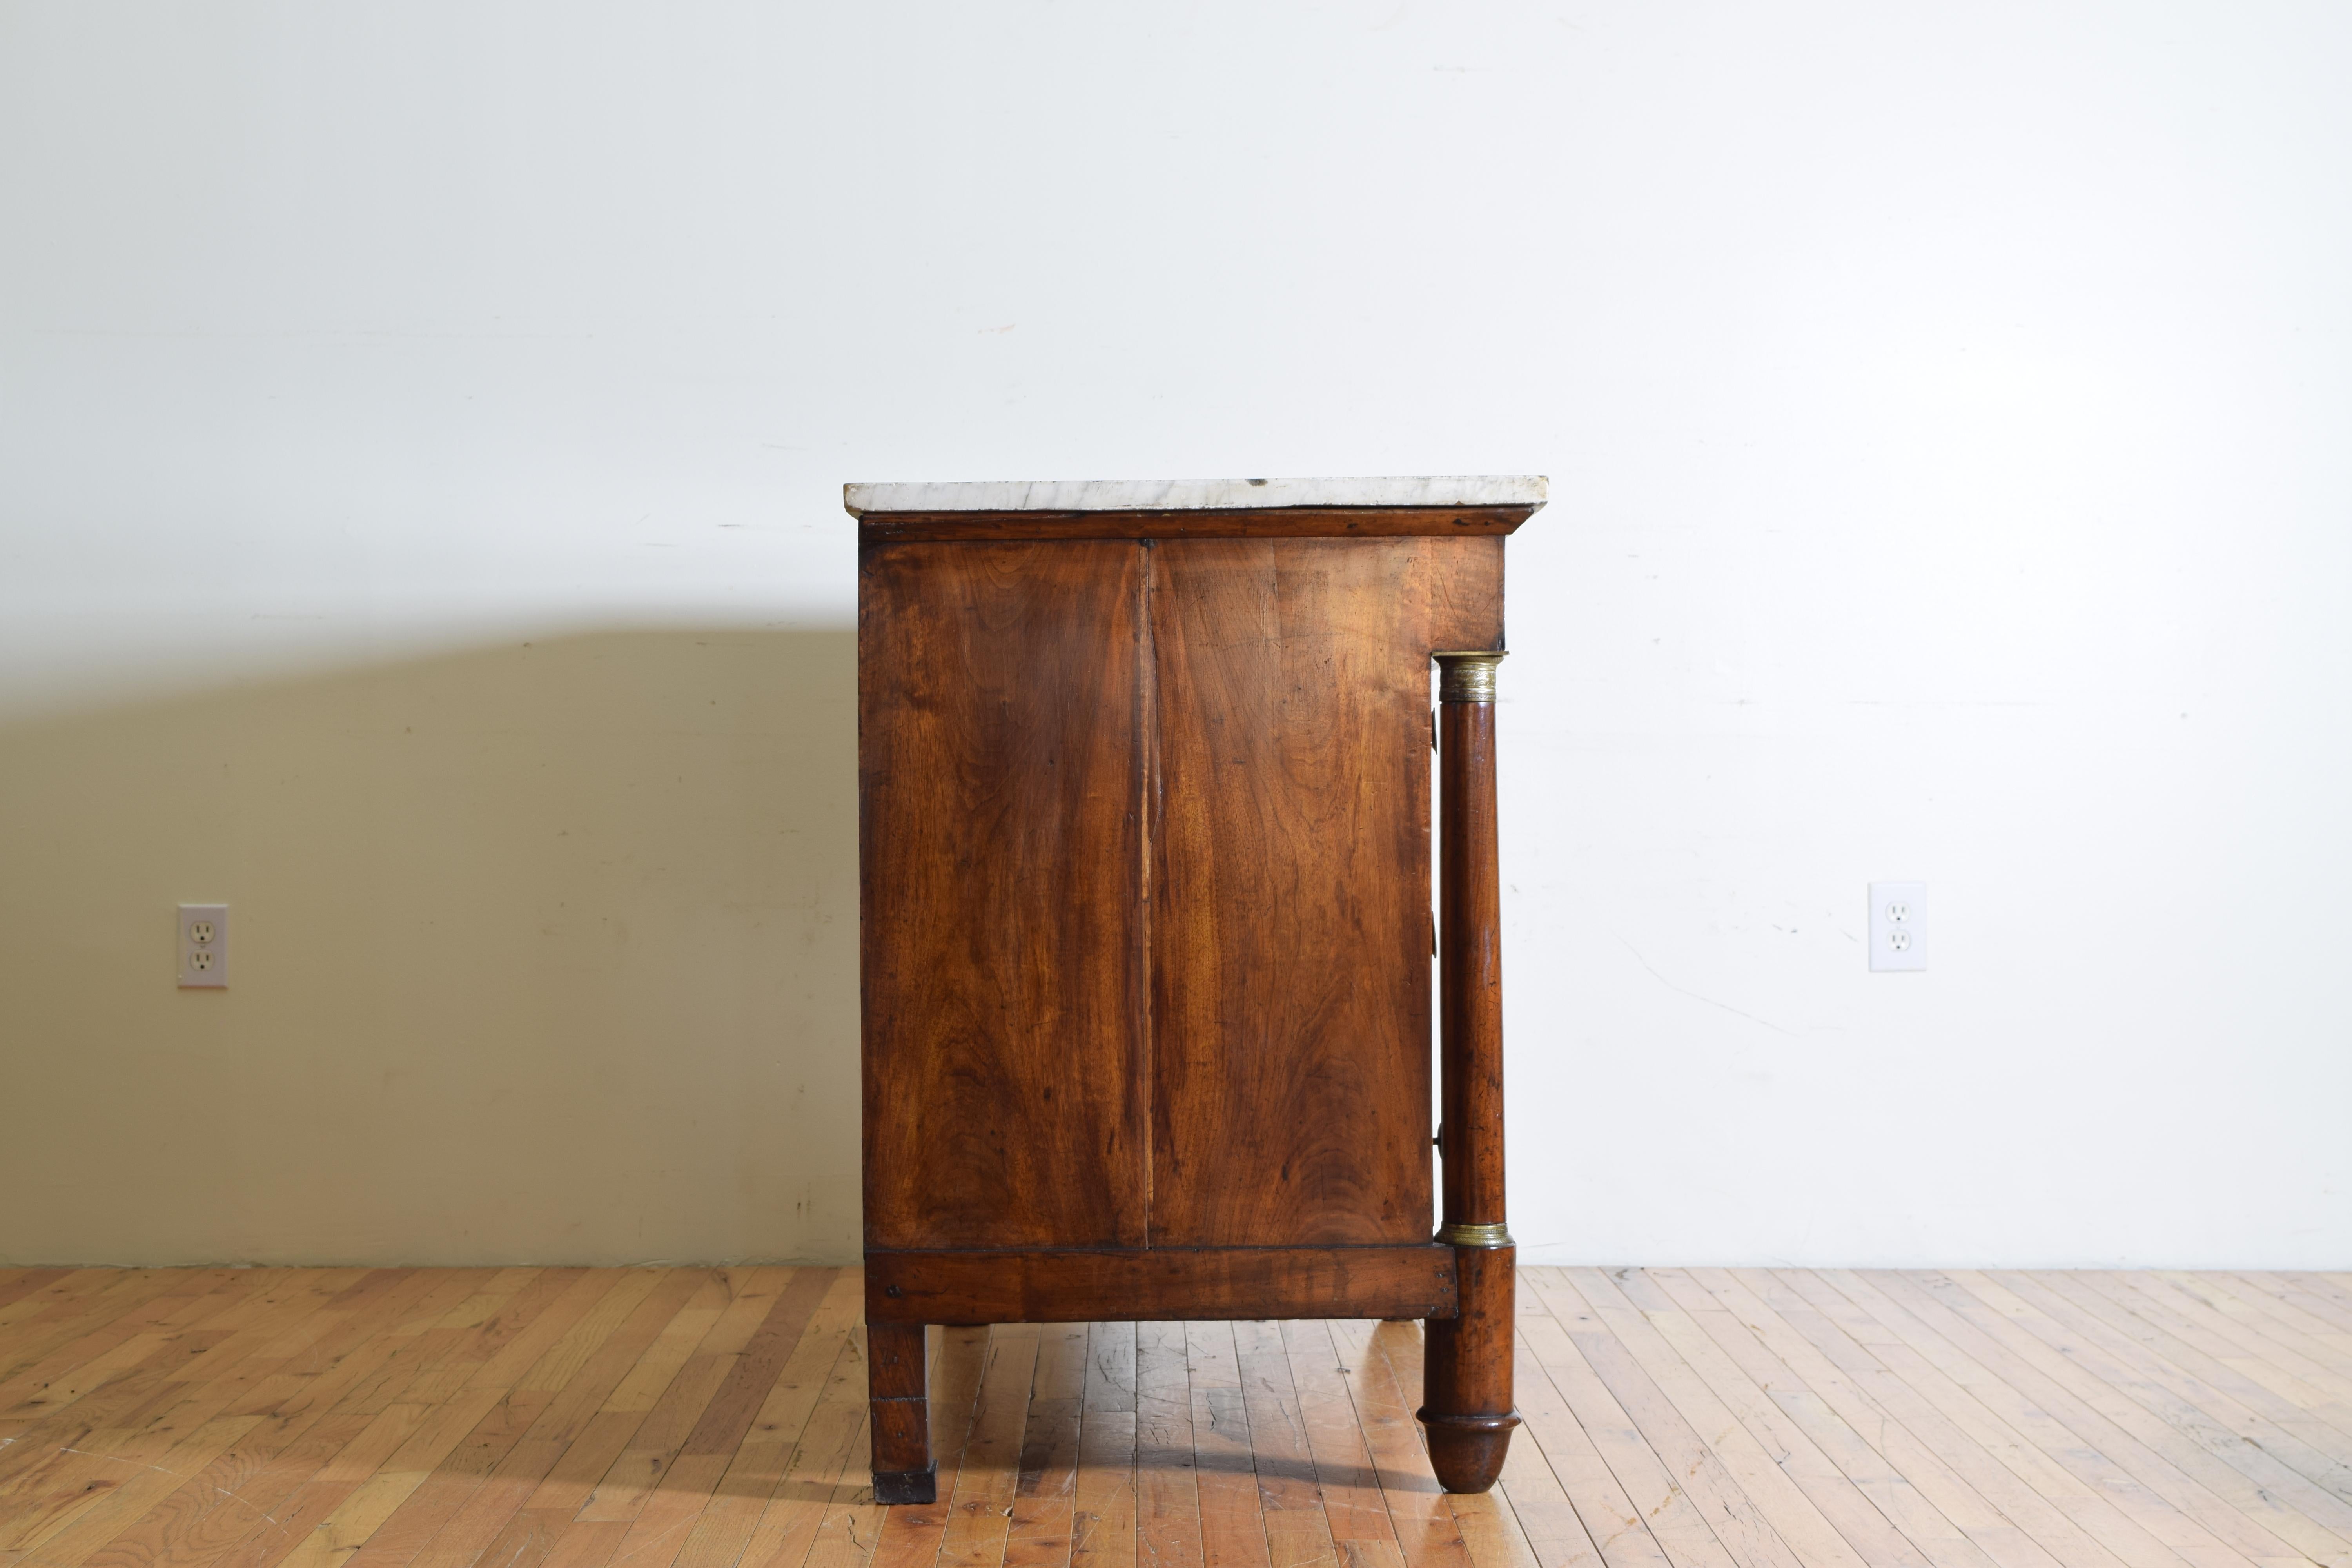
x=543 y=952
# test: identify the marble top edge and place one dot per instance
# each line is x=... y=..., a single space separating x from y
x=1194 y=495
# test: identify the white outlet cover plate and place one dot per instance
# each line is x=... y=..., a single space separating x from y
x=204 y=945
x=1899 y=926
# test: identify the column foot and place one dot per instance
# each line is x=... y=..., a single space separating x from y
x=1467 y=1451
x=1466 y=1367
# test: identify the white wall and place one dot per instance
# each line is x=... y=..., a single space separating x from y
x=1946 y=412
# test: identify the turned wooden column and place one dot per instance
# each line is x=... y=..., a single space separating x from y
x=1466 y=1377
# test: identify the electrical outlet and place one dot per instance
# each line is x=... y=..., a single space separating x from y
x=1898 y=925
x=204 y=945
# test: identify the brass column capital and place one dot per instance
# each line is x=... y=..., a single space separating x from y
x=1467 y=675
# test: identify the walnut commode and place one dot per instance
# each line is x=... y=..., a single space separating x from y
x=1145 y=785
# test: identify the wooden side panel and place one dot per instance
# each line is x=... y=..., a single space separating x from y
x=1002 y=857
x=1210 y=1283
x=1291 y=919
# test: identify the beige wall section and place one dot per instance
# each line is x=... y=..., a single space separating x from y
x=541 y=952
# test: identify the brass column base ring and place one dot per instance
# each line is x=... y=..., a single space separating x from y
x=1458 y=1234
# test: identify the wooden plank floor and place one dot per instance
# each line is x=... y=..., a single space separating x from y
x=711 y=1418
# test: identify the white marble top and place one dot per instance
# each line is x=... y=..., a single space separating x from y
x=1192 y=495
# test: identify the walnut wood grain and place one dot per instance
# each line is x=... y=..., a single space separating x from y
x=1290 y=923
x=1069 y=1286
x=1000 y=859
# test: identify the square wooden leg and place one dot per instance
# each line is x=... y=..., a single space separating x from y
x=903 y=1472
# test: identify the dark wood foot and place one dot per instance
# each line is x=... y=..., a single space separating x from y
x=902 y=1414
x=1467 y=1451
x=1466 y=1375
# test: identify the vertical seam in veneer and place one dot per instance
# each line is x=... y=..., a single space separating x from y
x=1147 y=734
